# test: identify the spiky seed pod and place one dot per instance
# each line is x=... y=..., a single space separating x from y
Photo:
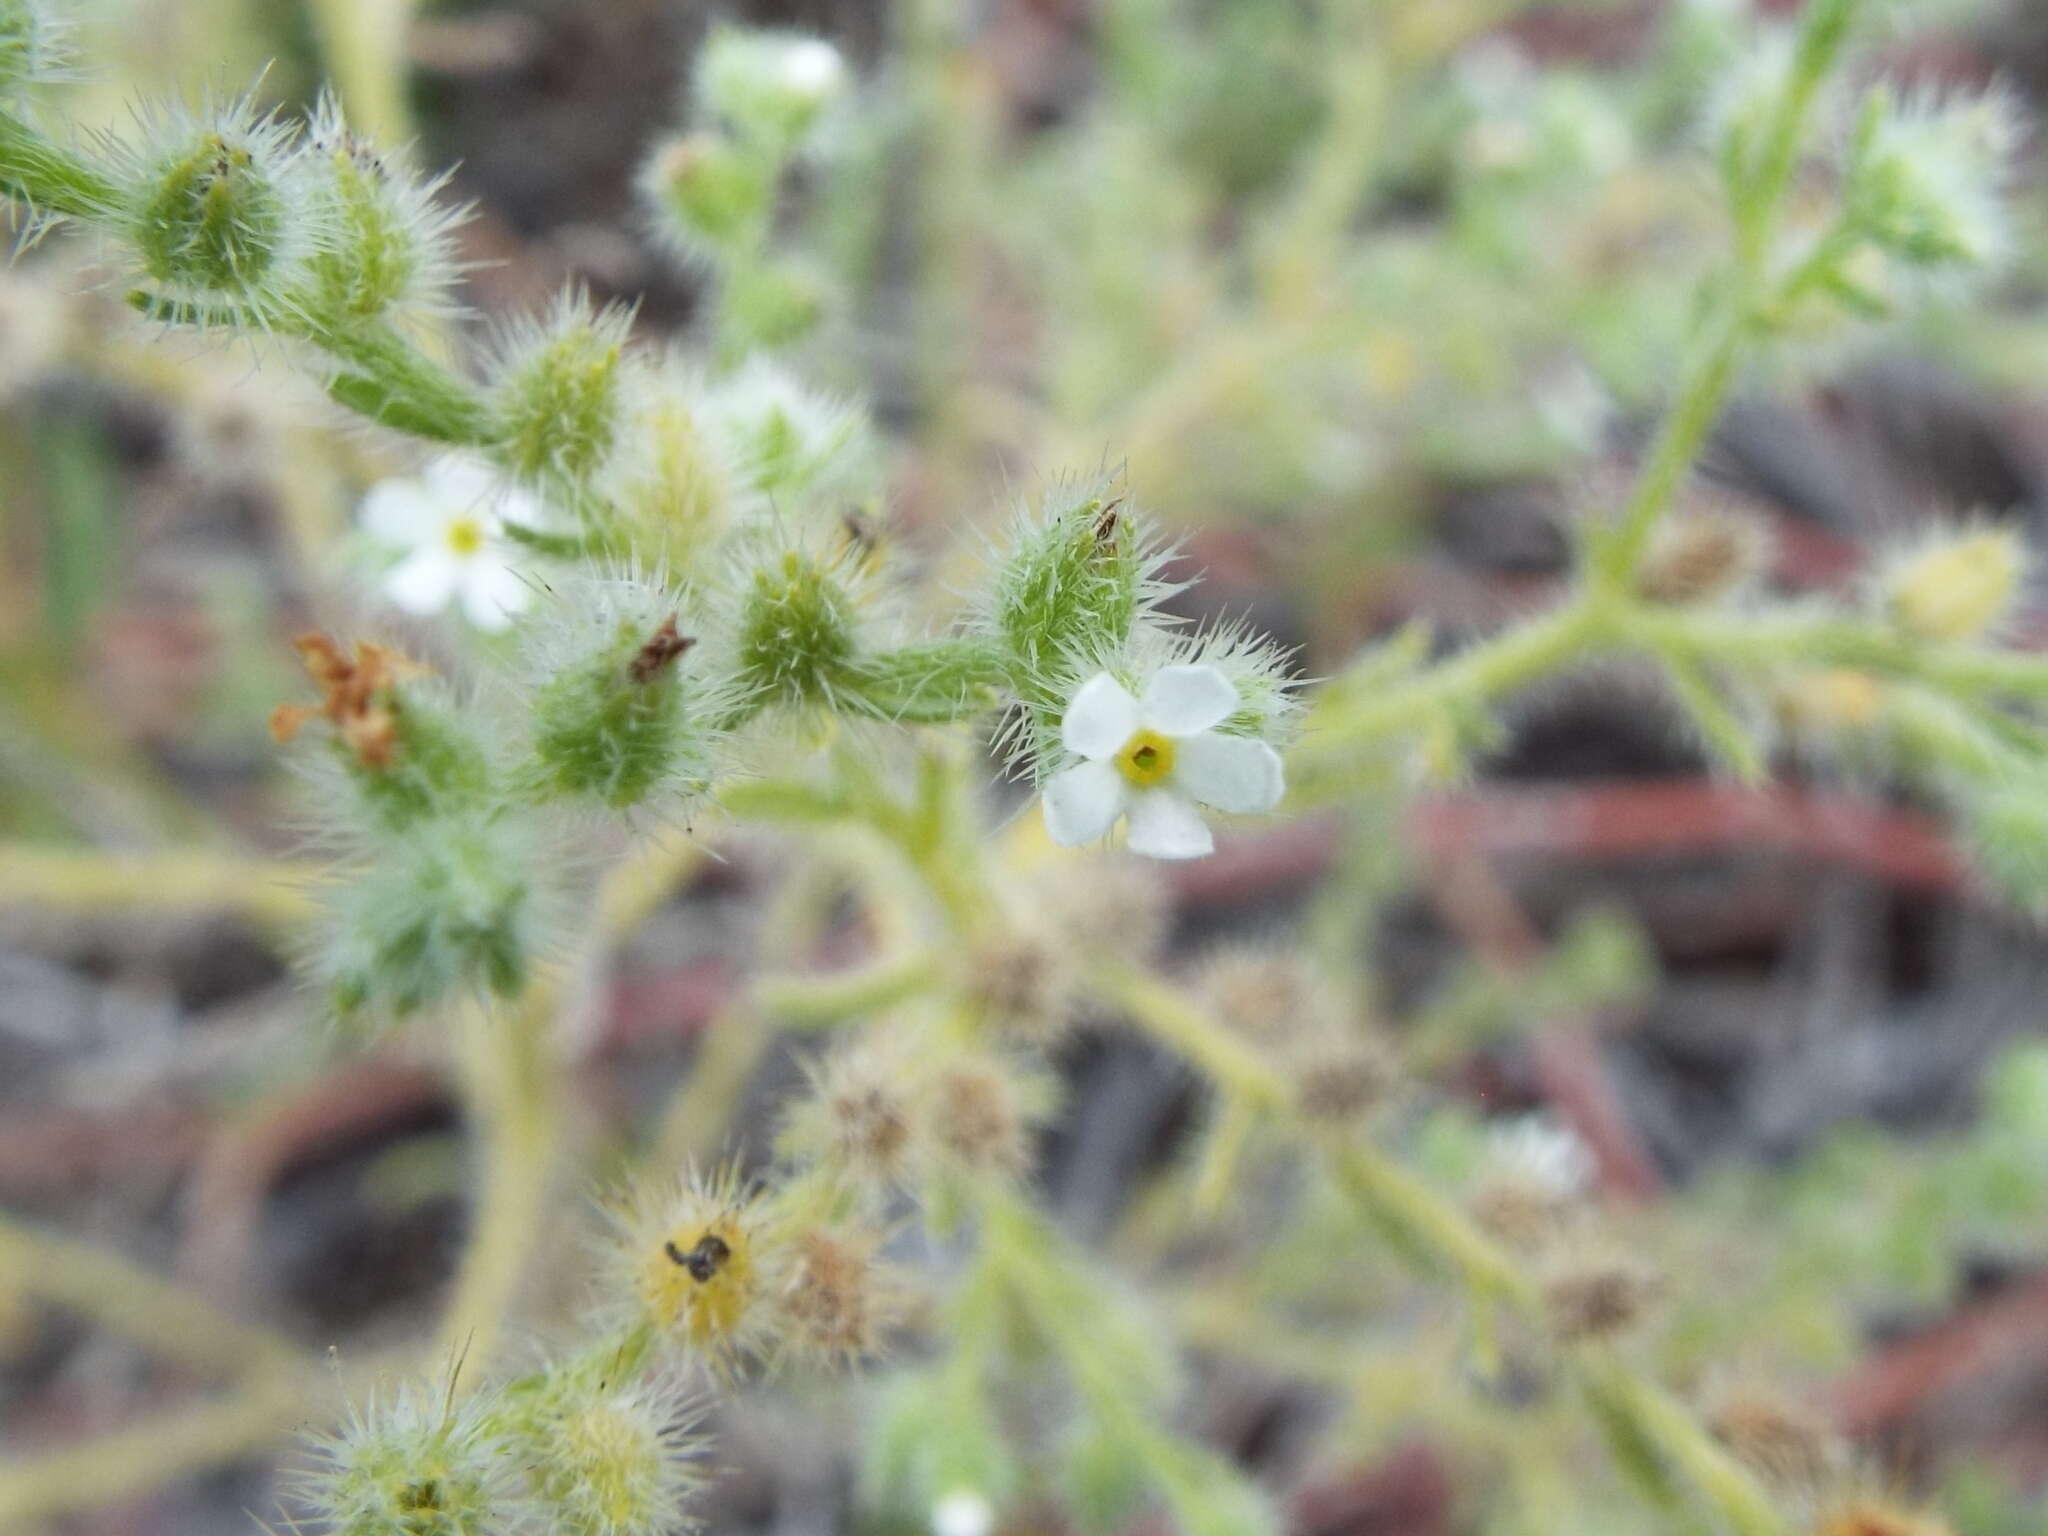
x=796 y=632
x=695 y=1263
x=1957 y=589
x=604 y=1458
x=1598 y=1297
x=456 y=906
x=1522 y=1212
x=1079 y=572
x=771 y=87
x=980 y=1111
x=859 y=1120
x=1022 y=981
x=1341 y=1075
x=773 y=304
x=620 y=718
x=1781 y=1440
x=425 y=1466
x=835 y=1299
x=1701 y=556
x=218 y=206
x=558 y=394
x=393 y=249
x=401 y=747
x=1106 y=908
x=1263 y=993
x=706 y=196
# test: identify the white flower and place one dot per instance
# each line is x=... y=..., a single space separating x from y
x=962 y=1513
x=449 y=521
x=1155 y=759
x=1547 y=1153
x=812 y=68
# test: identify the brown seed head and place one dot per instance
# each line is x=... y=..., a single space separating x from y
x=660 y=648
x=1779 y=1439
x=1599 y=1298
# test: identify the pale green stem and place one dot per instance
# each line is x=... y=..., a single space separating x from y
x=509 y=1085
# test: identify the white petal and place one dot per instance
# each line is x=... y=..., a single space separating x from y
x=401 y=512
x=1232 y=773
x=424 y=580
x=1165 y=825
x=1082 y=803
x=1101 y=718
x=462 y=482
x=492 y=592
x=1183 y=700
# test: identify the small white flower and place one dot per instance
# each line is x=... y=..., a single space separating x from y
x=450 y=521
x=812 y=68
x=1154 y=759
x=963 y=1512
x=1546 y=1152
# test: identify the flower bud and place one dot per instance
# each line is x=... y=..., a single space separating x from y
x=451 y=908
x=619 y=719
x=707 y=196
x=771 y=87
x=797 y=628
x=1926 y=178
x=1080 y=572
x=786 y=441
x=1958 y=589
x=423 y=1467
x=217 y=206
x=981 y=1112
x=771 y=304
x=603 y=1459
x=392 y=247
x=556 y=396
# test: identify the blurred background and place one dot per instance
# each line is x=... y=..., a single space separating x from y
x=1372 y=327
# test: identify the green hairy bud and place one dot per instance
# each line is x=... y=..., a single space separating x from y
x=797 y=629
x=708 y=196
x=618 y=720
x=1079 y=575
x=557 y=400
x=420 y=1468
x=391 y=242
x=216 y=206
x=603 y=1459
x=770 y=86
x=447 y=908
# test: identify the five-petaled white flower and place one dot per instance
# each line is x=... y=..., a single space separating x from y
x=1154 y=759
x=449 y=521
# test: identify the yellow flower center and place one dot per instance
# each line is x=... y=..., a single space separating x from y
x=1146 y=758
x=465 y=535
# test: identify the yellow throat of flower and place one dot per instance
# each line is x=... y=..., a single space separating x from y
x=1146 y=758
x=465 y=536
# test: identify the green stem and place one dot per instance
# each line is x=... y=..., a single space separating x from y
x=37 y=171
x=511 y=1094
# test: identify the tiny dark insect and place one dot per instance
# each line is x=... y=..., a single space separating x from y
x=703 y=1261
x=1105 y=524
x=661 y=648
